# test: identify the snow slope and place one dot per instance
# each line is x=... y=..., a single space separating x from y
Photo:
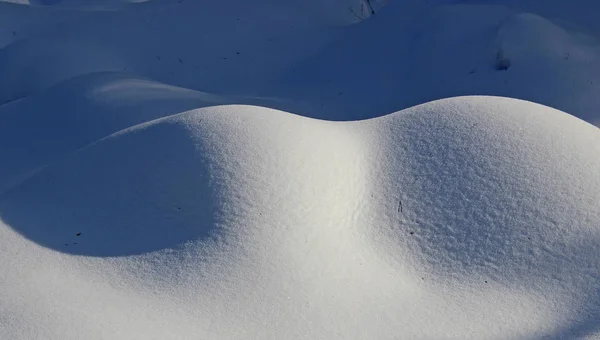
x=180 y=169
x=472 y=217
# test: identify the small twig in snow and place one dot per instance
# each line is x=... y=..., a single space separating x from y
x=370 y=6
x=356 y=15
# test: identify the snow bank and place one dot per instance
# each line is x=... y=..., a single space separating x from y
x=239 y=221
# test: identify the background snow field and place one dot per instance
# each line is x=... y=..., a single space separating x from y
x=339 y=169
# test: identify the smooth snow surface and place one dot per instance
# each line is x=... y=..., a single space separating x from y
x=196 y=170
x=478 y=213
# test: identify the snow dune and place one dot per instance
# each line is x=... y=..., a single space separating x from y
x=290 y=170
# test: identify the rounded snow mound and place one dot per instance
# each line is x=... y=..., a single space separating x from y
x=492 y=181
x=131 y=193
x=465 y=211
x=167 y=182
x=45 y=127
x=25 y=70
x=527 y=37
x=494 y=191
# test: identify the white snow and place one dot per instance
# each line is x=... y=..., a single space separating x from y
x=198 y=170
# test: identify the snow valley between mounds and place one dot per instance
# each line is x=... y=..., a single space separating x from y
x=467 y=218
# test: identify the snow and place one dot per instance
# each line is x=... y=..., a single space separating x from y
x=290 y=170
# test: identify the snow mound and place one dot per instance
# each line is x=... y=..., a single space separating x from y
x=241 y=221
x=111 y=194
x=45 y=127
x=418 y=51
x=307 y=53
x=25 y=70
x=166 y=41
x=516 y=35
x=484 y=49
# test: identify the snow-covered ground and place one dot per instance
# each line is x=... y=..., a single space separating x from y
x=299 y=169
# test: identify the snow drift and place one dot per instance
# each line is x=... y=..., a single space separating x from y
x=240 y=221
x=49 y=125
x=178 y=169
